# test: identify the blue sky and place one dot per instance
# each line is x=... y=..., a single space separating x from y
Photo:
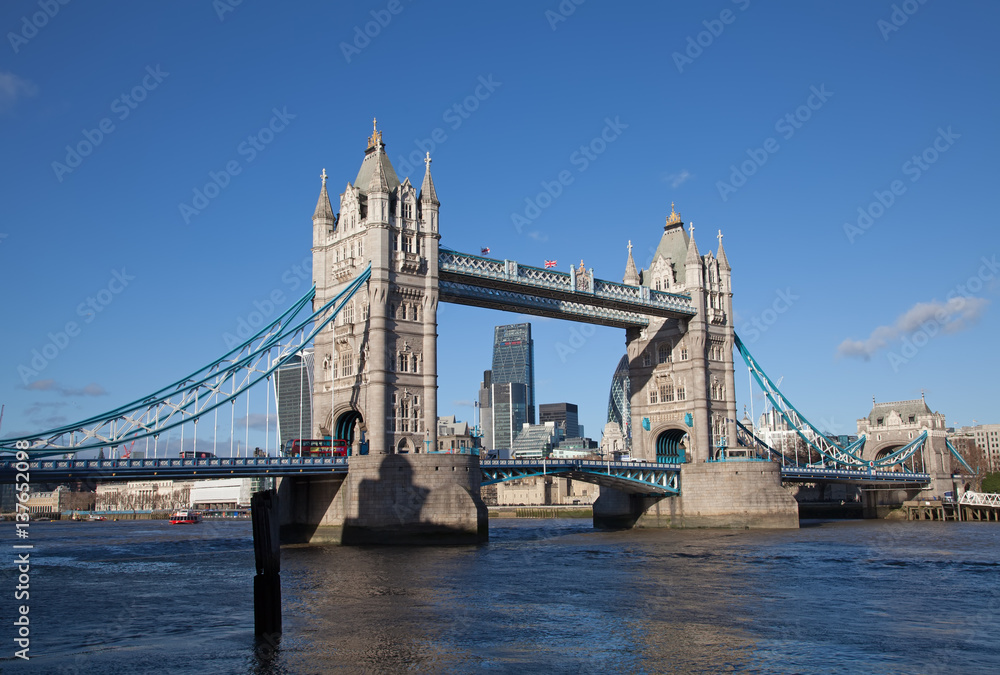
x=848 y=152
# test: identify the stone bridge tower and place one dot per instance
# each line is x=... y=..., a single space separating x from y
x=683 y=401
x=890 y=426
x=375 y=380
x=376 y=368
x=681 y=371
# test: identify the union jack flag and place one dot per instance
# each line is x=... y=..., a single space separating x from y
x=484 y=251
x=550 y=263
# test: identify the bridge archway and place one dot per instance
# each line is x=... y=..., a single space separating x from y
x=885 y=451
x=345 y=425
x=671 y=446
x=404 y=446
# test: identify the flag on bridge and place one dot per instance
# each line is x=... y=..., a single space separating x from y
x=485 y=250
x=550 y=263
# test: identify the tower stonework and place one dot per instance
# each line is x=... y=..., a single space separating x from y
x=683 y=401
x=375 y=383
x=379 y=356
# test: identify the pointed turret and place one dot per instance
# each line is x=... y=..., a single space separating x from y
x=692 y=252
x=631 y=273
x=323 y=212
x=378 y=182
x=723 y=261
x=427 y=191
x=692 y=263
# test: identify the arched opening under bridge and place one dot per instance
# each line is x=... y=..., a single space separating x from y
x=671 y=446
x=344 y=429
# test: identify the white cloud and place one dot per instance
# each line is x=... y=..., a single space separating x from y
x=952 y=316
x=13 y=88
x=92 y=389
x=679 y=178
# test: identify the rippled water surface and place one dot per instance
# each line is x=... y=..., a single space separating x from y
x=542 y=596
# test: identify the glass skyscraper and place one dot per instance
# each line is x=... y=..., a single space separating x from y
x=513 y=361
x=293 y=384
x=619 y=401
x=508 y=413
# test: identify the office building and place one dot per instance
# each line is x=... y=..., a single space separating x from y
x=620 y=404
x=485 y=410
x=513 y=361
x=565 y=416
x=293 y=388
x=509 y=414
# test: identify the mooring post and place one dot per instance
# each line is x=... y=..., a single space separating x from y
x=267 y=582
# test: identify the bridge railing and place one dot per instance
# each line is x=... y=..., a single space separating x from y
x=173 y=463
x=854 y=473
x=979 y=499
x=583 y=463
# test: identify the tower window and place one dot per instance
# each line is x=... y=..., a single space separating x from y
x=667 y=392
x=346 y=364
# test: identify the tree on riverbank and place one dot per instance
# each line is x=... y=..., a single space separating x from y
x=991 y=483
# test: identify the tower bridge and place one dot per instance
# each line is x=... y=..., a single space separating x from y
x=379 y=274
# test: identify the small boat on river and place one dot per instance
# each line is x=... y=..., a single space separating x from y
x=185 y=517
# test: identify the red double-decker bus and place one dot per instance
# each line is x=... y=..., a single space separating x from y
x=315 y=447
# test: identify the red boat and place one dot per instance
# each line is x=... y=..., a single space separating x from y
x=185 y=517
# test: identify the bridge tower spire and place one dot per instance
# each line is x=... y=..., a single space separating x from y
x=631 y=273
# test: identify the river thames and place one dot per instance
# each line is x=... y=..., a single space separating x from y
x=541 y=596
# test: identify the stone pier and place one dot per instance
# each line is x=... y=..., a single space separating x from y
x=740 y=495
x=388 y=499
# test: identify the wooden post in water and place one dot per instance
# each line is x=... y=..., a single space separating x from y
x=267 y=582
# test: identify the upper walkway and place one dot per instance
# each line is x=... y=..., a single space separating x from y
x=467 y=279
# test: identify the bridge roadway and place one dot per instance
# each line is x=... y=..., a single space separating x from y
x=632 y=477
x=628 y=476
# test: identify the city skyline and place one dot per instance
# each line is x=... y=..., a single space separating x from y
x=159 y=188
